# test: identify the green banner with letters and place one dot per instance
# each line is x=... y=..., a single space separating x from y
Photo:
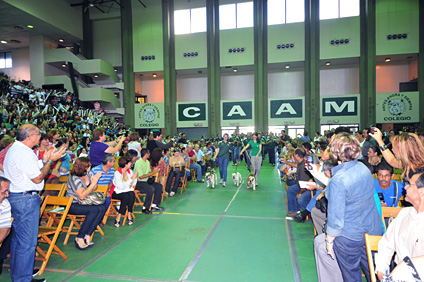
x=149 y=115
x=237 y=113
x=340 y=109
x=397 y=107
x=192 y=114
x=287 y=111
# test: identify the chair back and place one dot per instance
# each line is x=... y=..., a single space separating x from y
x=102 y=188
x=63 y=179
x=389 y=212
x=156 y=175
x=60 y=188
x=371 y=244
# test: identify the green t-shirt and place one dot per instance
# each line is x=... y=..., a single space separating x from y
x=142 y=167
x=224 y=149
x=255 y=147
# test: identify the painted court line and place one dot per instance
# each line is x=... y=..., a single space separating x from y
x=80 y=270
x=123 y=277
x=292 y=244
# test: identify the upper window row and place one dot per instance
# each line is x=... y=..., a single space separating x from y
x=5 y=60
x=239 y=15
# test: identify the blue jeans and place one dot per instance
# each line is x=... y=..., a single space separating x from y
x=93 y=216
x=313 y=202
x=293 y=205
x=26 y=214
x=351 y=255
x=203 y=166
x=290 y=182
x=235 y=153
x=223 y=164
x=304 y=199
x=198 y=169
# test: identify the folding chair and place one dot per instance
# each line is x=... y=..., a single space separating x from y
x=164 y=191
x=184 y=179
x=63 y=179
x=77 y=220
x=59 y=188
x=371 y=244
x=193 y=174
x=389 y=212
x=45 y=233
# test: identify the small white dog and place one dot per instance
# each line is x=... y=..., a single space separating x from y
x=237 y=178
x=211 y=178
x=251 y=182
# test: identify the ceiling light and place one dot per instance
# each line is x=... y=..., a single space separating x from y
x=116 y=70
x=3 y=42
x=327 y=63
x=63 y=65
x=61 y=40
x=30 y=26
x=287 y=66
x=96 y=75
x=154 y=75
x=387 y=60
x=235 y=70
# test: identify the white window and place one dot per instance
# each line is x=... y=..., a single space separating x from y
x=276 y=130
x=246 y=129
x=198 y=20
x=294 y=130
x=295 y=11
x=349 y=8
x=227 y=16
x=328 y=9
x=276 y=12
x=352 y=127
x=182 y=21
x=5 y=60
x=229 y=130
x=245 y=14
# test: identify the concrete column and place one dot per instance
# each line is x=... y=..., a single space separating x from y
x=421 y=61
x=367 y=84
x=36 y=60
x=261 y=65
x=87 y=32
x=312 y=67
x=214 y=71
x=169 y=73
x=128 y=62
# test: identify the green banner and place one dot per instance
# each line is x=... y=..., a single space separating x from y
x=237 y=113
x=192 y=114
x=149 y=115
x=398 y=107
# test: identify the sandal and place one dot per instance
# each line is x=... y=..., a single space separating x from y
x=88 y=241
x=117 y=223
x=130 y=221
x=81 y=247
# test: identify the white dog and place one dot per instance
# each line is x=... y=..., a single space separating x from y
x=251 y=182
x=212 y=178
x=237 y=178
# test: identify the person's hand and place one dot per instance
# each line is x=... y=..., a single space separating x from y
x=134 y=176
x=377 y=135
x=56 y=173
x=320 y=196
x=311 y=186
x=330 y=250
x=380 y=275
x=55 y=155
x=214 y=159
x=95 y=178
x=156 y=170
x=383 y=204
x=298 y=195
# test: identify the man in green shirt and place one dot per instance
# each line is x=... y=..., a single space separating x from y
x=142 y=166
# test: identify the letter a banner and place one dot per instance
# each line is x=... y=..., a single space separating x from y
x=237 y=113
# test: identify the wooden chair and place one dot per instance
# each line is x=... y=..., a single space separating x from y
x=164 y=191
x=77 y=220
x=193 y=173
x=59 y=188
x=371 y=244
x=48 y=234
x=389 y=212
x=184 y=179
x=63 y=179
x=138 y=194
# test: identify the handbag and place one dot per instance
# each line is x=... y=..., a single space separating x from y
x=150 y=180
x=322 y=205
x=176 y=169
x=93 y=199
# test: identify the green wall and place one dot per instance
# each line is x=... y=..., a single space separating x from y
x=147 y=35
x=195 y=42
x=286 y=33
x=236 y=38
x=396 y=17
x=336 y=29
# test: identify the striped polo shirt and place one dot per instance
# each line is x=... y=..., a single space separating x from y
x=5 y=215
x=106 y=177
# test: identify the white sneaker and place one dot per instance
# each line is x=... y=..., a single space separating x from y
x=172 y=194
x=224 y=184
x=220 y=182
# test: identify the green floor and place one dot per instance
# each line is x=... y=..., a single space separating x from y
x=221 y=234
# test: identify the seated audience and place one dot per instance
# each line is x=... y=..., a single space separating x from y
x=388 y=190
x=107 y=170
x=80 y=184
x=124 y=181
x=176 y=171
x=157 y=161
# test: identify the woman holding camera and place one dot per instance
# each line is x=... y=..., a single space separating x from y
x=177 y=167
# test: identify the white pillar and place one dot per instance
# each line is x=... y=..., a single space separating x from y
x=36 y=58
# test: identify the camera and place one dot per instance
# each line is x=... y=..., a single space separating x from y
x=372 y=129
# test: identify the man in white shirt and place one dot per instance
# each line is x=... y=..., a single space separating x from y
x=22 y=168
x=405 y=235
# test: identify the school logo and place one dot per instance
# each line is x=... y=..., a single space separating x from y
x=396 y=106
x=149 y=114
